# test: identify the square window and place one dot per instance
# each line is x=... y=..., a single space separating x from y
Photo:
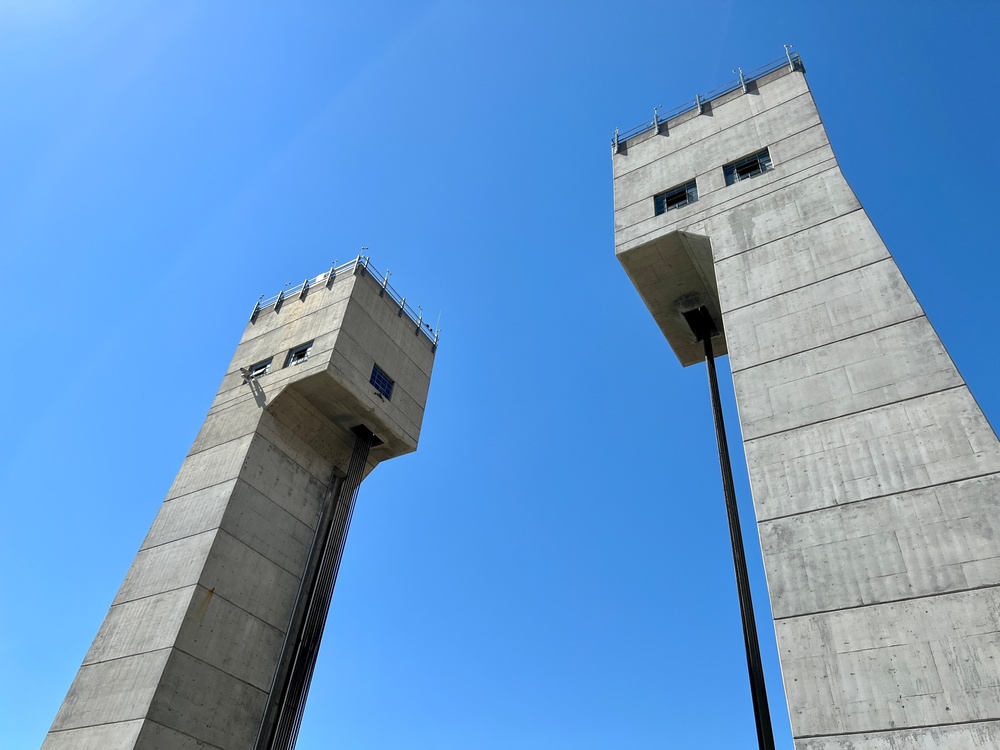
x=675 y=198
x=298 y=355
x=382 y=382
x=748 y=167
x=257 y=370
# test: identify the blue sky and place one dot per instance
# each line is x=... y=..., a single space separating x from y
x=551 y=569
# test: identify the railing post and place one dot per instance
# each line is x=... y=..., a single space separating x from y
x=358 y=267
x=697 y=101
x=788 y=54
x=743 y=81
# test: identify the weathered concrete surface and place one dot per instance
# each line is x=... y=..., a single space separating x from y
x=874 y=473
x=188 y=653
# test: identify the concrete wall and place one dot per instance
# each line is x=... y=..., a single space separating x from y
x=188 y=651
x=874 y=473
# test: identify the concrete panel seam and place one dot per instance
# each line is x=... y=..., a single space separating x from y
x=877 y=497
x=403 y=351
x=192 y=492
x=318 y=363
x=855 y=413
x=91 y=726
x=238 y=399
x=402 y=389
x=323 y=481
x=220 y=529
x=295 y=573
x=809 y=228
x=830 y=343
x=790 y=290
x=234 y=605
x=292 y=317
x=699 y=218
x=385 y=414
x=726 y=206
x=137 y=653
x=717 y=103
x=756 y=194
x=217 y=445
x=222 y=671
x=100 y=724
x=217 y=412
x=890 y=730
x=886 y=602
x=712 y=135
x=150 y=596
x=178 y=539
x=259 y=554
x=781 y=163
x=625 y=206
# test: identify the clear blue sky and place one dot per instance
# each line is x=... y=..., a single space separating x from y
x=551 y=569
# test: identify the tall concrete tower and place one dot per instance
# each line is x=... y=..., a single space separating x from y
x=874 y=474
x=212 y=638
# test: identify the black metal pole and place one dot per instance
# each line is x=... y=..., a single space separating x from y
x=758 y=692
x=279 y=728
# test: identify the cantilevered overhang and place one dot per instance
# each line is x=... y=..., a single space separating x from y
x=674 y=274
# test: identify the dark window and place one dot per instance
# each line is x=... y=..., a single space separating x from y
x=748 y=167
x=299 y=354
x=679 y=196
x=255 y=371
x=382 y=382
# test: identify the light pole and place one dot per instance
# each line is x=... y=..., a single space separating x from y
x=704 y=328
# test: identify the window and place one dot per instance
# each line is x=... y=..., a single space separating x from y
x=748 y=167
x=382 y=382
x=255 y=371
x=299 y=354
x=679 y=196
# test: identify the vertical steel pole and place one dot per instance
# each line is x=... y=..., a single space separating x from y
x=283 y=716
x=758 y=692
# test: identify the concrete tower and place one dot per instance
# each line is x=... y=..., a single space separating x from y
x=874 y=473
x=211 y=640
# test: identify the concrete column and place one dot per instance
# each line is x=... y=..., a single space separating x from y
x=873 y=471
x=191 y=648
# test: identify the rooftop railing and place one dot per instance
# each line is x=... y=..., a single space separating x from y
x=790 y=60
x=360 y=265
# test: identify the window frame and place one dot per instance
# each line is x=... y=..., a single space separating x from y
x=292 y=360
x=259 y=369
x=384 y=385
x=735 y=171
x=688 y=189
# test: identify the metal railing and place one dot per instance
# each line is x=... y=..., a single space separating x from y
x=359 y=265
x=790 y=60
